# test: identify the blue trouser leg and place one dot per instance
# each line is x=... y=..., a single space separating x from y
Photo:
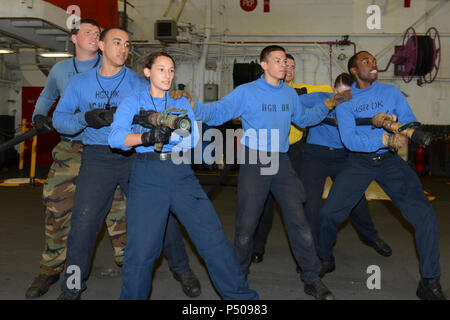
x=147 y=213
x=174 y=248
x=264 y=225
x=347 y=190
x=313 y=175
x=405 y=189
x=289 y=193
x=318 y=163
x=362 y=221
x=174 y=187
x=197 y=214
x=92 y=203
x=252 y=191
x=295 y=155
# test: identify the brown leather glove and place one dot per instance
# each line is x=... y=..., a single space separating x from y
x=394 y=141
x=337 y=98
x=177 y=94
x=383 y=120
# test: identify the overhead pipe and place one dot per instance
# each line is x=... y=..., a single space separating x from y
x=204 y=55
x=317 y=43
x=168 y=9
x=206 y=43
x=179 y=10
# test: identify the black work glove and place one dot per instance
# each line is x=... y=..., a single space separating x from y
x=108 y=115
x=143 y=118
x=96 y=118
x=157 y=134
x=42 y=124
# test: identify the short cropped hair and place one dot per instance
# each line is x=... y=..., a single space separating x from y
x=105 y=32
x=289 y=56
x=352 y=61
x=267 y=50
x=85 y=20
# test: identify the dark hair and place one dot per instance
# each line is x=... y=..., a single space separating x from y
x=289 y=56
x=343 y=79
x=74 y=30
x=150 y=59
x=352 y=61
x=267 y=50
x=105 y=32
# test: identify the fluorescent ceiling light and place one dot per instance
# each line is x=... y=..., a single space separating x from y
x=6 y=50
x=56 y=55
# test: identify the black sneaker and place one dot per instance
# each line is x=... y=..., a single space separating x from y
x=40 y=285
x=430 y=289
x=189 y=283
x=69 y=296
x=380 y=246
x=327 y=265
x=319 y=291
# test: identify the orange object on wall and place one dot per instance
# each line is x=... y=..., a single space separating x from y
x=105 y=12
x=46 y=142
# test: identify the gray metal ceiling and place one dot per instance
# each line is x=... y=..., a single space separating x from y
x=33 y=33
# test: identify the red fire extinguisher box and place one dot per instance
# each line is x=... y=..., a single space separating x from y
x=46 y=142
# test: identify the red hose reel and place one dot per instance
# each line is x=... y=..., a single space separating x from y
x=419 y=55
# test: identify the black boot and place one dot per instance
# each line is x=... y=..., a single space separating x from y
x=327 y=265
x=189 y=283
x=69 y=296
x=40 y=285
x=319 y=291
x=380 y=246
x=430 y=289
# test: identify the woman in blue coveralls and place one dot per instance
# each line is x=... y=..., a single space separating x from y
x=158 y=184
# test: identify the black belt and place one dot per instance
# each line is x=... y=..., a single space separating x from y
x=374 y=156
x=107 y=149
x=155 y=156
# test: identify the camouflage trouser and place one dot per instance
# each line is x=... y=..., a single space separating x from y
x=58 y=198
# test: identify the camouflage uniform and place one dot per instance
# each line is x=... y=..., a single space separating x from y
x=58 y=197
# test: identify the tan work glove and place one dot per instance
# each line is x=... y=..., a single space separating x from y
x=383 y=120
x=177 y=94
x=394 y=141
x=337 y=98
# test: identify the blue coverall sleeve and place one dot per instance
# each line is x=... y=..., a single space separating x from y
x=65 y=119
x=402 y=109
x=216 y=113
x=353 y=139
x=48 y=96
x=311 y=99
x=304 y=116
x=122 y=124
